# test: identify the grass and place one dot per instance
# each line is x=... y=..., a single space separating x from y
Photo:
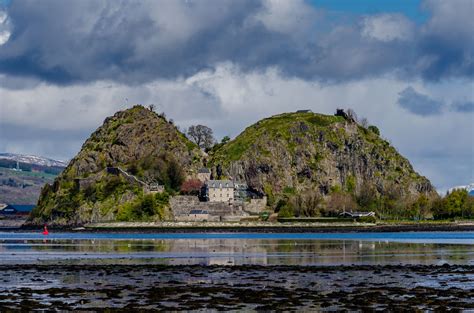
x=425 y=222
x=21 y=174
x=277 y=127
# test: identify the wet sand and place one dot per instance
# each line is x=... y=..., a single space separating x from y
x=249 y=287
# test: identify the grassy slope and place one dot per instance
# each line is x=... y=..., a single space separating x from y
x=34 y=181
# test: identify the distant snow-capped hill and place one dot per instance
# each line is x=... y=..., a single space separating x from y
x=32 y=159
x=469 y=188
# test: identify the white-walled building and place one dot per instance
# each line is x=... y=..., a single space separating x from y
x=204 y=174
x=220 y=191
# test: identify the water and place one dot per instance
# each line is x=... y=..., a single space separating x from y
x=239 y=248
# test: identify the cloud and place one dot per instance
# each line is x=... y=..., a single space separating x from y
x=54 y=120
x=446 y=41
x=289 y=17
x=418 y=103
x=138 y=42
x=5 y=28
x=464 y=107
x=388 y=27
x=227 y=64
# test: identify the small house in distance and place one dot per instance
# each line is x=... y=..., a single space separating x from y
x=220 y=191
x=156 y=188
x=204 y=174
x=357 y=214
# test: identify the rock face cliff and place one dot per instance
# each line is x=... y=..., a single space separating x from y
x=132 y=150
x=298 y=152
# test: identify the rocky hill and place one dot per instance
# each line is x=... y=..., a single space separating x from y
x=298 y=153
x=302 y=162
x=96 y=185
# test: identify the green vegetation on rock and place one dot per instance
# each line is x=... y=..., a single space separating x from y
x=109 y=178
x=293 y=154
x=306 y=164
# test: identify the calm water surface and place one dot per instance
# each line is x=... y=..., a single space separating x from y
x=239 y=248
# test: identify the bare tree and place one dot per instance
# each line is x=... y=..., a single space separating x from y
x=352 y=115
x=151 y=107
x=364 y=122
x=201 y=135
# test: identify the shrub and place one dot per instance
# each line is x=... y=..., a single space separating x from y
x=374 y=129
x=286 y=211
x=191 y=187
x=366 y=219
x=143 y=208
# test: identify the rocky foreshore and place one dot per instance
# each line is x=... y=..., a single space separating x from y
x=125 y=288
x=269 y=227
x=250 y=226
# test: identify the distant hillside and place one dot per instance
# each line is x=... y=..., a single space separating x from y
x=33 y=160
x=23 y=185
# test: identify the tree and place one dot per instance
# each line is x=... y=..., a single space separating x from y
x=151 y=107
x=367 y=198
x=421 y=208
x=201 y=135
x=191 y=187
x=306 y=204
x=364 y=122
x=340 y=202
x=457 y=203
x=352 y=115
x=175 y=174
x=225 y=140
x=374 y=129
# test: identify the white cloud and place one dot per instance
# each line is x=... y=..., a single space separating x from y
x=5 y=28
x=290 y=17
x=228 y=100
x=388 y=27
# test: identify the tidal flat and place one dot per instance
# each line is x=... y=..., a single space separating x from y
x=237 y=271
x=249 y=287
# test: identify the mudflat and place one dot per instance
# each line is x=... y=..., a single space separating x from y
x=249 y=287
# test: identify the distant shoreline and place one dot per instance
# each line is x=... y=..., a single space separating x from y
x=249 y=228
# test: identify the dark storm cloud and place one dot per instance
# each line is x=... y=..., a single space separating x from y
x=447 y=39
x=463 y=107
x=418 y=103
x=13 y=132
x=134 y=42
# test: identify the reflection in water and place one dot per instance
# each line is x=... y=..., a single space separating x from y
x=232 y=251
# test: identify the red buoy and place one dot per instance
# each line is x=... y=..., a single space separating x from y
x=45 y=230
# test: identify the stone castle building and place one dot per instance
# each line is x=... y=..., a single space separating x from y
x=220 y=191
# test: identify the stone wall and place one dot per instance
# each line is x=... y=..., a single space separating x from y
x=218 y=211
x=255 y=205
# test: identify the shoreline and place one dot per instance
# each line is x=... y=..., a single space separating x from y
x=169 y=227
x=246 y=288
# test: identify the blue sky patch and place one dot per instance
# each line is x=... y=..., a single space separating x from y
x=411 y=9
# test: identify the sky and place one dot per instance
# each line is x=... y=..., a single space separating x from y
x=407 y=66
